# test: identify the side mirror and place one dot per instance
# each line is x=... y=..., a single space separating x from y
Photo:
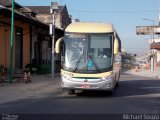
x=116 y=46
x=57 y=45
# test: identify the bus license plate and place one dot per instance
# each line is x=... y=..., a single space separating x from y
x=85 y=86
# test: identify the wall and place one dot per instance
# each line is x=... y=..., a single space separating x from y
x=5 y=43
x=158 y=56
x=2 y=45
x=47 y=18
x=26 y=44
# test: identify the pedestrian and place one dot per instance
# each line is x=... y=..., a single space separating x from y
x=27 y=75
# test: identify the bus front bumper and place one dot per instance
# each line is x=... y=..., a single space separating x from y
x=87 y=84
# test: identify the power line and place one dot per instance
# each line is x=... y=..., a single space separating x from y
x=115 y=12
x=137 y=48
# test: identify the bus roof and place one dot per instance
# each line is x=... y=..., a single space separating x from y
x=80 y=27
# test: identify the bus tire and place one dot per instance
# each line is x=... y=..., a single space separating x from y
x=111 y=92
x=70 y=92
x=117 y=84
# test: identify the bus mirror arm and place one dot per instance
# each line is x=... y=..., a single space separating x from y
x=57 y=45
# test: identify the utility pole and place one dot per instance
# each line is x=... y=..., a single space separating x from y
x=12 y=43
x=159 y=14
x=54 y=7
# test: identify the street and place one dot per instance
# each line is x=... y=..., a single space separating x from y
x=135 y=95
x=44 y=41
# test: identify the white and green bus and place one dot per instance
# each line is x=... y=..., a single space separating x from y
x=90 y=57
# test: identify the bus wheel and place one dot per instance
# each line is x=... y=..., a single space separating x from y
x=111 y=92
x=70 y=92
x=117 y=84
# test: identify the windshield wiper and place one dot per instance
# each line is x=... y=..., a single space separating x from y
x=98 y=70
x=91 y=58
x=77 y=63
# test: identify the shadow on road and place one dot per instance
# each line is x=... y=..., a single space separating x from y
x=137 y=87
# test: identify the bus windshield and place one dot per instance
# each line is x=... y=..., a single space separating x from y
x=87 y=53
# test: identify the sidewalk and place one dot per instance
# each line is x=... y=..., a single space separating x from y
x=20 y=90
x=146 y=73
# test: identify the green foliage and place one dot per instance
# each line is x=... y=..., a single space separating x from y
x=44 y=68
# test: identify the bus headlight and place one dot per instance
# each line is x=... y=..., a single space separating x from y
x=107 y=78
x=67 y=76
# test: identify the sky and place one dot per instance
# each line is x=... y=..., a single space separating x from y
x=125 y=15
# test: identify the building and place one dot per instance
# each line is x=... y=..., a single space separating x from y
x=62 y=18
x=154 y=42
x=75 y=20
x=32 y=42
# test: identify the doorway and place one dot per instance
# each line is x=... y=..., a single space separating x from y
x=19 y=48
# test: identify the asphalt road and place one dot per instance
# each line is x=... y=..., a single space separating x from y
x=135 y=95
